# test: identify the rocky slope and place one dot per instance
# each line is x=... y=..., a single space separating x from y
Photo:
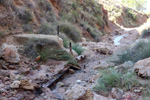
x=123 y=15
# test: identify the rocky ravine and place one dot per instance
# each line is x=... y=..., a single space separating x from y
x=21 y=78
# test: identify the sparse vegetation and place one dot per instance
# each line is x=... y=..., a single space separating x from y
x=2 y=34
x=139 y=50
x=112 y=78
x=73 y=32
x=34 y=46
x=54 y=53
x=45 y=5
x=94 y=32
x=73 y=62
x=131 y=14
x=25 y=15
x=78 y=49
x=5 y=2
x=145 y=33
x=47 y=28
x=27 y=28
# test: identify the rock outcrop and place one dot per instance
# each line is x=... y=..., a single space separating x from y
x=23 y=38
x=9 y=53
x=142 y=67
x=76 y=92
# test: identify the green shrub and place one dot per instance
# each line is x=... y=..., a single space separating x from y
x=110 y=78
x=54 y=53
x=25 y=15
x=66 y=43
x=139 y=50
x=74 y=5
x=47 y=28
x=46 y=49
x=73 y=62
x=145 y=33
x=33 y=46
x=5 y=2
x=131 y=14
x=94 y=32
x=27 y=28
x=77 y=48
x=45 y=5
x=71 y=31
x=113 y=79
x=50 y=16
x=2 y=34
x=68 y=17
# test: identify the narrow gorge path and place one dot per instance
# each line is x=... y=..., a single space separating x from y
x=97 y=57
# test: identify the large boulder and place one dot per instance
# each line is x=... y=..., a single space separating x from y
x=23 y=38
x=98 y=97
x=142 y=67
x=9 y=53
x=76 y=92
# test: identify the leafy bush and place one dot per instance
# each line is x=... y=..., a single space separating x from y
x=71 y=31
x=73 y=62
x=27 y=28
x=131 y=14
x=94 y=32
x=139 y=50
x=67 y=17
x=77 y=48
x=47 y=28
x=25 y=15
x=2 y=34
x=33 y=46
x=145 y=33
x=66 y=43
x=5 y=2
x=111 y=78
x=54 y=53
x=50 y=16
x=45 y=5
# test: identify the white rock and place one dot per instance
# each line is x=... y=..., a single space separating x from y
x=15 y=84
x=79 y=81
x=76 y=92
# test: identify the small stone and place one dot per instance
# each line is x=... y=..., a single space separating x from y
x=25 y=84
x=15 y=84
x=60 y=84
x=6 y=79
x=4 y=67
x=11 y=67
x=79 y=81
x=17 y=72
x=24 y=70
x=4 y=98
x=4 y=73
x=71 y=71
x=3 y=94
x=76 y=92
x=117 y=93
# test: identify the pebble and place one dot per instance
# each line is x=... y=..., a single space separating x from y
x=6 y=79
x=60 y=84
x=71 y=71
x=79 y=81
x=3 y=94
